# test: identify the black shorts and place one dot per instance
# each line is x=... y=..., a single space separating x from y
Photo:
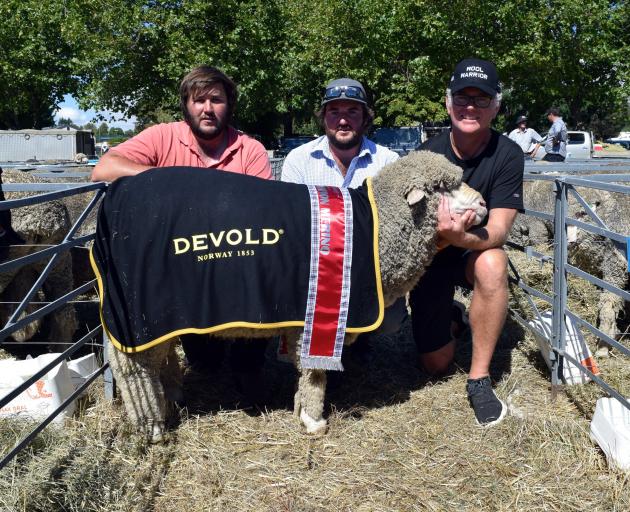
x=432 y=299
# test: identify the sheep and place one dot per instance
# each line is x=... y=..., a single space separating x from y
x=31 y=226
x=591 y=253
x=406 y=194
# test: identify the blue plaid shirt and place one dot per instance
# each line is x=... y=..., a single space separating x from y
x=313 y=164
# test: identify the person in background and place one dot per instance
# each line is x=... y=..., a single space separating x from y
x=556 y=145
x=205 y=139
x=527 y=138
x=344 y=157
x=493 y=165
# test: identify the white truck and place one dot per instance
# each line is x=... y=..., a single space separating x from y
x=579 y=146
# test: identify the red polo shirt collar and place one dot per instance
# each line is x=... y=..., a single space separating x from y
x=187 y=138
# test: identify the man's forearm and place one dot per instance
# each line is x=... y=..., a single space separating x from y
x=112 y=166
x=493 y=234
x=480 y=239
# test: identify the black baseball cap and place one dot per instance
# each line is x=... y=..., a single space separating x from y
x=521 y=119
x=344 y=89
x=478 y=73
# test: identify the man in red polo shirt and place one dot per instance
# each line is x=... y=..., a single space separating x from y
x=204 y=139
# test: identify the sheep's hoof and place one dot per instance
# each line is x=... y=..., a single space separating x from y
x=313 y=426
x=156 y=433
x=602 y=351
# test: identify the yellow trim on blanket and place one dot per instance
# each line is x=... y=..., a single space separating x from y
x=377 y=268
x=230 y=325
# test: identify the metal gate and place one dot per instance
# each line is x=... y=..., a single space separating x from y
x=47 y=192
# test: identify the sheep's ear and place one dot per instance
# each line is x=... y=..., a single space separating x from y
x=415 y=196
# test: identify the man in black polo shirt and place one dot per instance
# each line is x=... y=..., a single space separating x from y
x=493 y=165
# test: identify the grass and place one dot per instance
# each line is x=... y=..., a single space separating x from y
x=612 y=148
x=397 y=441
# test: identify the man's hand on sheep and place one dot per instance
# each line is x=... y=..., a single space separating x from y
x=451 y=224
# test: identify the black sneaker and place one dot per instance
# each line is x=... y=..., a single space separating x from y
x=489 y=410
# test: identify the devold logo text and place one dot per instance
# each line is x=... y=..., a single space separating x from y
x=232 y=238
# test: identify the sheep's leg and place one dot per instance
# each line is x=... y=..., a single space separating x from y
x=310 y=397
x=63 y=321
x=609 y=307
x=15 y=293
x=172 y=378
x=311 y=391
x=139 y=379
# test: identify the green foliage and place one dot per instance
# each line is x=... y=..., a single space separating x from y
x=128 y=56
x=37 y=59
x=67 y=122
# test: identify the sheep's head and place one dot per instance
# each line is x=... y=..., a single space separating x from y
x=419 y=176
x=430 y=172
x=465 y=198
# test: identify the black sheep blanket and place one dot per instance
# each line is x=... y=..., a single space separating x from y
x=187 y=250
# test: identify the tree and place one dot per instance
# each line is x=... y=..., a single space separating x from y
x=66 y=123
x=102 y=130
x=38 y=53
x=114 y=131
x=281 y=53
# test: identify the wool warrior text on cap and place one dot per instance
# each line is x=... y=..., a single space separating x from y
x=474 y=72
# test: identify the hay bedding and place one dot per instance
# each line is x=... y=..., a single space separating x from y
x=396 y=442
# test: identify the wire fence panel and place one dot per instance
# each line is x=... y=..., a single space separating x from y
x=276 y=167
x=39 y=194
x=564 y=187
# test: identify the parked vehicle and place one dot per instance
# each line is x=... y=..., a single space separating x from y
x=623 y=140
x=579 y=146
x=400 y=139
x=63 y=144
x=289 y=143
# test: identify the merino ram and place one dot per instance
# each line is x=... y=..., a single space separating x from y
x=26 y=230
x=405 y=196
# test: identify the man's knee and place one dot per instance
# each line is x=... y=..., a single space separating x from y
x=488 y=269
x=438 y=362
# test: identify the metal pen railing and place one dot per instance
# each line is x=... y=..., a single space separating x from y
x=564 y=186
x=51 y=191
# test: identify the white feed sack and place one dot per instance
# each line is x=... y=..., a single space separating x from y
x=576 y=347
x=47 y=393
x=610 y=429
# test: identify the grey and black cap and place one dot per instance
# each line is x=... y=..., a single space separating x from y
x=344 y=89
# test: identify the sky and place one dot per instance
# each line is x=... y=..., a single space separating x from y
x=69 y=108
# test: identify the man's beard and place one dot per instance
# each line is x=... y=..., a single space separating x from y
x=210 y=133
x=351 y=143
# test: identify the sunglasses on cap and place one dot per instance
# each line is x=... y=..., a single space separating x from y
x=348 y=91
x=462 y=100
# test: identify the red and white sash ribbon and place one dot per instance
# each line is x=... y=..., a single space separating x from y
x=329 y=278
